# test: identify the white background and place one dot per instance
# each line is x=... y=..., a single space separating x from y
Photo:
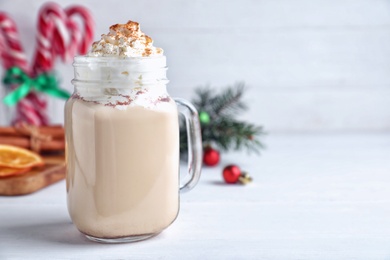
x=311 y=65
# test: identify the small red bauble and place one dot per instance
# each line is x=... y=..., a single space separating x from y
x=231 y=173
x=210 y=157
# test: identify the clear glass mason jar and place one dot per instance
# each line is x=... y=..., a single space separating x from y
x=122 y=148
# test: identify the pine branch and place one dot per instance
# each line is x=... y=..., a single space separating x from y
x=203 y=99
x=223 y=130
x=229 y=134
x=229 y=102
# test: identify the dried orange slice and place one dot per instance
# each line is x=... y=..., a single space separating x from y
x=6 y=171
x=16 y=157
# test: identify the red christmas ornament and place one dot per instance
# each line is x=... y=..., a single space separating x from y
x=210 y=157
x=231 y=173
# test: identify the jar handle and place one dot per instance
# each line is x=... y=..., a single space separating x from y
x=194 y=138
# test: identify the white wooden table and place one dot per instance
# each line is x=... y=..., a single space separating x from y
x=313 y=197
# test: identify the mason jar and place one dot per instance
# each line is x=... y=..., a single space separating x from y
x=122 y=148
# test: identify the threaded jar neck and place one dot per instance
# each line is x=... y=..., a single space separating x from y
x=119 y=72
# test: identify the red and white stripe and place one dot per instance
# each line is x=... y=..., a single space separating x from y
x=58 y=36
x=50 y=42
x=13 y=55
x=89 y=26
x=75 y=41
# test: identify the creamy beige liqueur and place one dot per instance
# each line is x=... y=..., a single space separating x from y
x=122 y=156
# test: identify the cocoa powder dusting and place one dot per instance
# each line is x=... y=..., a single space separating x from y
x=128 y=29
x=162 y=99
x=147 y=52
x=121 y=103
x=125 y=40
x=127 y=102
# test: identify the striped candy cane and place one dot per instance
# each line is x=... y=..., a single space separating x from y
x=51 y=23
x=13 y=55
x=75 y=41
x=89 y=27
x=58 y=36
x=6 y=60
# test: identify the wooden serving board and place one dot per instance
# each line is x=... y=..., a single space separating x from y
x=38 y=178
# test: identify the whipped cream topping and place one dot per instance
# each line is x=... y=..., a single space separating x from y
x=123 y=70
x=125 y=40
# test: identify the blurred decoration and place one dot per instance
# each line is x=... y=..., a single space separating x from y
x=232 y=174
x=39 y=139
x=220 y=128
x=211 y=156
x=44 y=83
x=59 y=35
x=15 y=160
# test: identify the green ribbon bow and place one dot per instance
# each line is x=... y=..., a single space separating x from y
x=44 y=82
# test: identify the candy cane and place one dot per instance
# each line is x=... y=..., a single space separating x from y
x=39 y=102
x=58 y=36
x=78 y=43
x=61 y=36
x=89 y=26
x=7 y=61
x=76 y=40
x=50 y=16
x=13 y=54
x=26 y=112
